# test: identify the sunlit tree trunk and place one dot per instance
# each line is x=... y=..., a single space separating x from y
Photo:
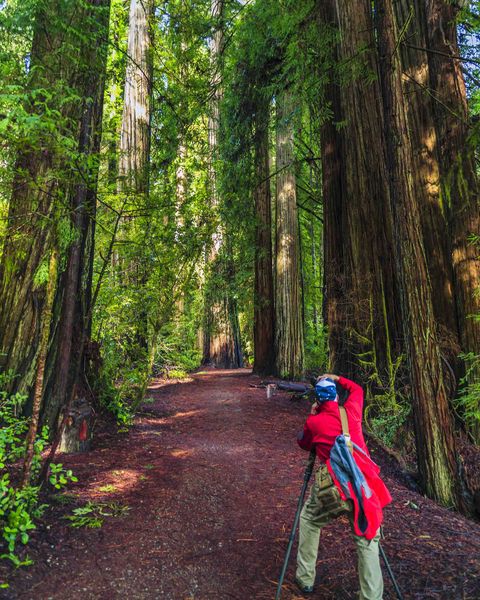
x=221 y=336
x=288 y=301
x=134 y=154
x=134 y=150
x=264 y=312
x=425 y=147
x=54 y=196
x=360 y=276
x=433 y=424
x=460 y=182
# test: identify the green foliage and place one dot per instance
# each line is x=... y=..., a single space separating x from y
x=59 y=477
x=93 y=513
x=148 y=309
x=109 y=488
x=110 y=396
x=20 y=506
x=176 y=348
x=387 y=406
x=41 y=274
x=467 y=402
x=390 y=418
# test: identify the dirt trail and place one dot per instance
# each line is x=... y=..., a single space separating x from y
x=211 y=472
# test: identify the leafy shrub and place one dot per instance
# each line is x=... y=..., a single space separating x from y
x=92 y=514
x=389 y=421
x=316 y=348
x=175 y=355
x=118 y=386
x=20 y=506
x=467 y=402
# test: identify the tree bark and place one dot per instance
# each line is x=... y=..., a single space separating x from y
x=433 y=425
x=264 y=312
x=460 y=182
x=360 y=280
x=46 y=320
x=134 y=154
x=419 y=104
x=55 y=191
x=333 y=190
x=288 y=312
x=221 y=336
x=133 y=164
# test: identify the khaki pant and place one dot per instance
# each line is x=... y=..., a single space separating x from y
x=316 y=513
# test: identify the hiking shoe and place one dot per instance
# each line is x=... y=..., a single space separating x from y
x=305 y=589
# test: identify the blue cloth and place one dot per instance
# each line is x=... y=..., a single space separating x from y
x=325 y=390
x=346 y=470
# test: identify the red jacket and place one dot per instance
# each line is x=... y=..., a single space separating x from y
x=322 y=429
x=372 y=504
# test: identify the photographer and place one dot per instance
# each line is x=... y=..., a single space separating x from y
x=357 y=491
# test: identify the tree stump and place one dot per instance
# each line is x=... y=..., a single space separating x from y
x=77 y=434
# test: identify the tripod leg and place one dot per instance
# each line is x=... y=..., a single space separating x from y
x=306 y=479
x=390 y=573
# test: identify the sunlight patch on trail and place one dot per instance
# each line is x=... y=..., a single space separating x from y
x=158 y=384
x=117 y=480
x=181 y=453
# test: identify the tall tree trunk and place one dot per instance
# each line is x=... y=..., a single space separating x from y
x=433 y=423
x=460 y=182
x=411 y=21
x=288 y=311
x=74 y=297
x=264 y=312
x=333 y=191
x=134 y=152
x=46 y=320
x=221 y=336
x=134 y=148
x=53 y=190
x=364 y=311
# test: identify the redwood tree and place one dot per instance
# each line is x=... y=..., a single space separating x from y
x=420 y=107
x=264 y=314
x=134 y=153
x=221 y=335
x=360 y=279
x=53 y=200
x=433 y=424
x=288 y=303
x=459 y=178
x=135 y=127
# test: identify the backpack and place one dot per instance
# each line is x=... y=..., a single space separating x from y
x=328 y=495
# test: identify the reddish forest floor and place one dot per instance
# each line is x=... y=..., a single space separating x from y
x=211 y=472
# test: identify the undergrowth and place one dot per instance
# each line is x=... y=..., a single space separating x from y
x=467 y=402
x=20 y=506
x=93 y=514
x=387 y=406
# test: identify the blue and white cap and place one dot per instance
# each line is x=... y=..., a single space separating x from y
x=325 y=390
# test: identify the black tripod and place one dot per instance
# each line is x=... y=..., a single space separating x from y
x=306 y=479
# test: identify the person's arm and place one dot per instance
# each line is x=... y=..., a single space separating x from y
x=355 y=397
x=305 y=438
x=349 y=385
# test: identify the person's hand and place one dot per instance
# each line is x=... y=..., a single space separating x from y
x=328 y=376
x=315 y=408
